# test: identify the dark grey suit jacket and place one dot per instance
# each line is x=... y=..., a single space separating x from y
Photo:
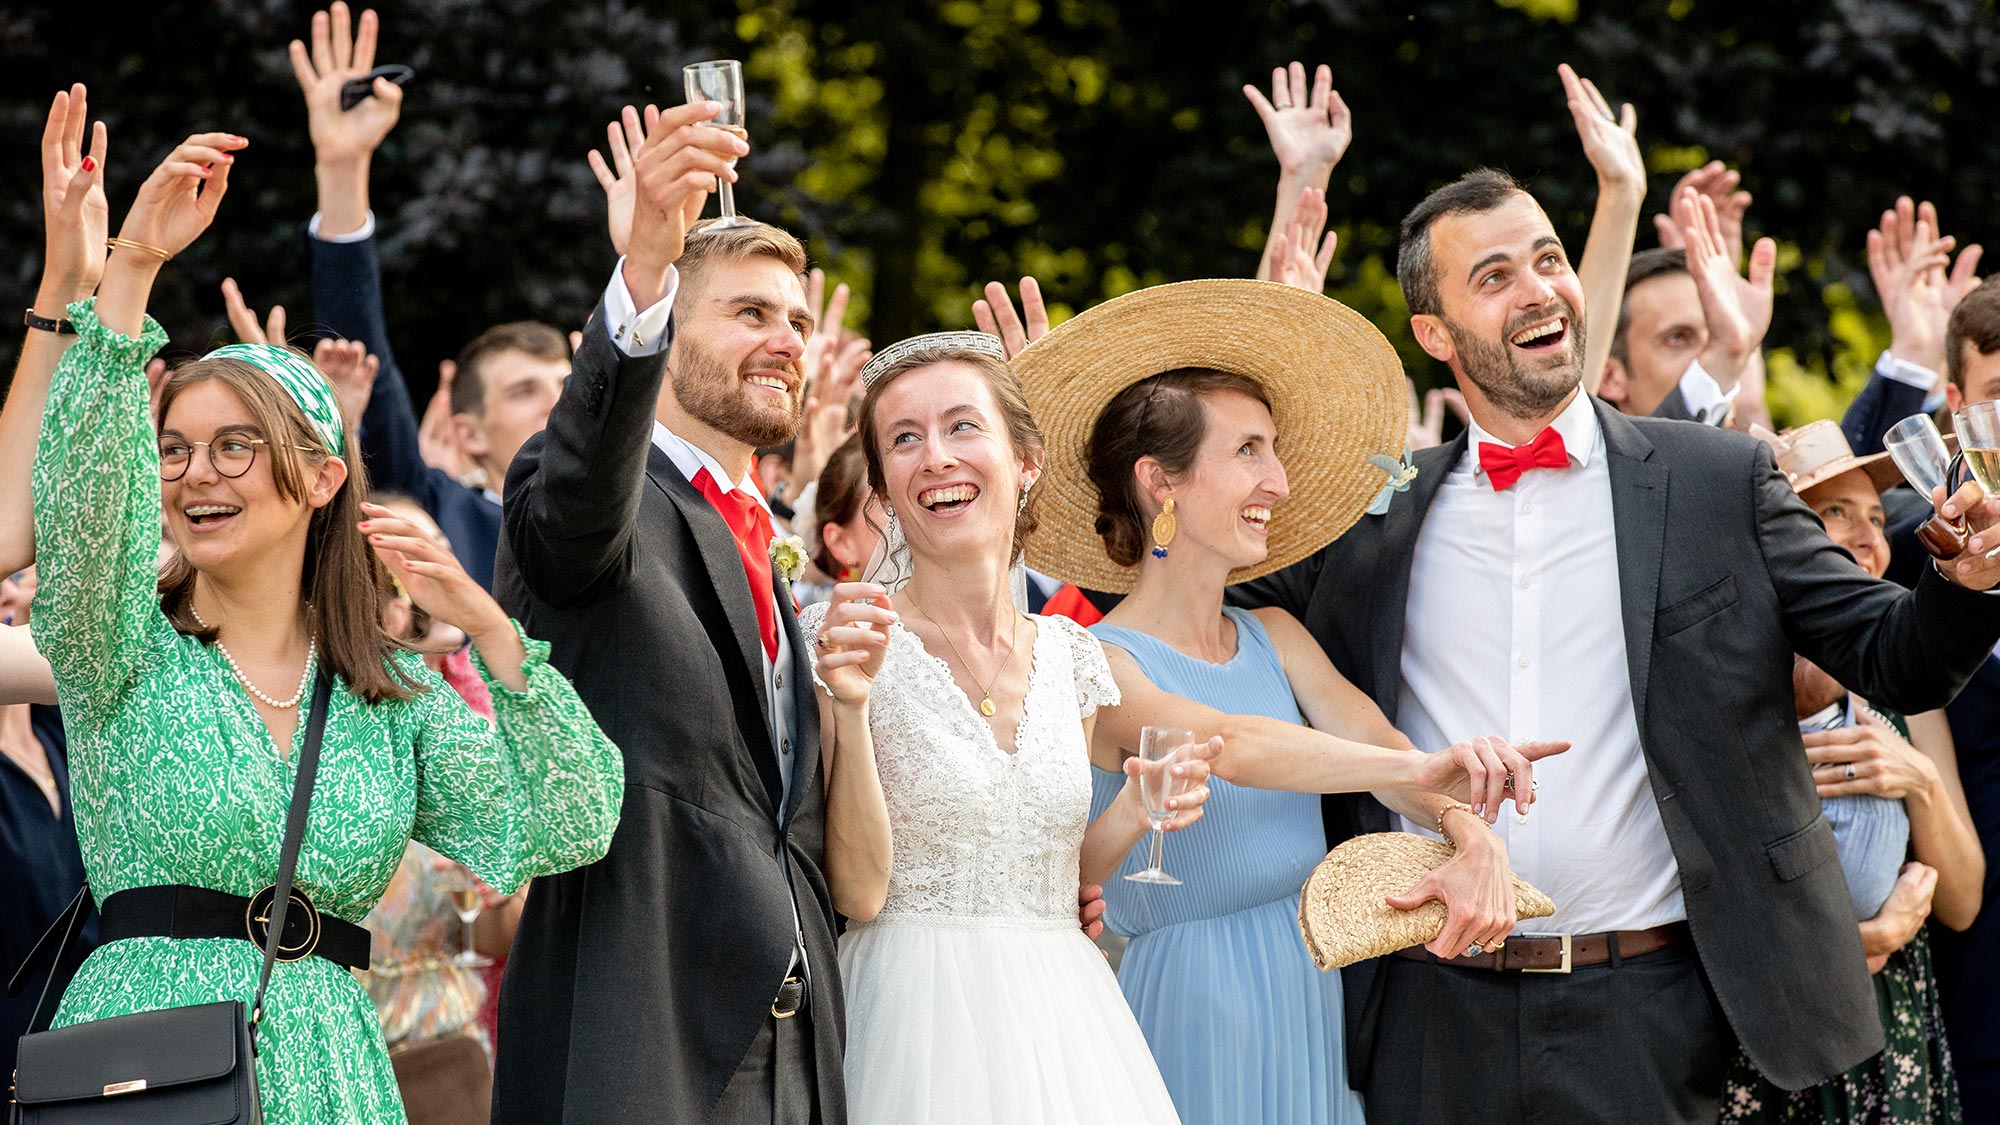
x=1723 y=575
x=636 y=984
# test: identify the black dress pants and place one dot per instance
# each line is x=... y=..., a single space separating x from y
x=1643 y=1042
x=777 y=1083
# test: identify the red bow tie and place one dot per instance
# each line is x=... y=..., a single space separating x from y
x=1504 y=466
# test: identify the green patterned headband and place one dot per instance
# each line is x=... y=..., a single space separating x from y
x=301 y=380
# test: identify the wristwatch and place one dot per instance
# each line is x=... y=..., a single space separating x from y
x=48 y=324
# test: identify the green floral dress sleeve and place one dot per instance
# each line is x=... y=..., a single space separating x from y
x=97 y=517
x=537 y=793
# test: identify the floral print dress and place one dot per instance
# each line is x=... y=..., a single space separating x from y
x=175 y=778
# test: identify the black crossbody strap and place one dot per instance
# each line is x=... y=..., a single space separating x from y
x=295 y=834
x=58 y=946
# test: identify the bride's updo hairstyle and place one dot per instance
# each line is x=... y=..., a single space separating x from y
x=900 y=360
x=1161 y=417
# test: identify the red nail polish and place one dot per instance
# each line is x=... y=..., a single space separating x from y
x=89 y=165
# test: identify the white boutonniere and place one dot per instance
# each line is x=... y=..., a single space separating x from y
x=1401 y=471
x=788 y=554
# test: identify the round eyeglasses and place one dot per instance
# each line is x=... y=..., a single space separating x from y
x=232 y=455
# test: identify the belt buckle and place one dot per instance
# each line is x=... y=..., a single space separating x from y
x=1565 y=940
x=796 y=988
x=257 y=923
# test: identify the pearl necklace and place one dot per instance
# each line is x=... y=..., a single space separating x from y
x=305 y=677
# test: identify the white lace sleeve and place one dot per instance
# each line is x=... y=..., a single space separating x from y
x=1094 y=686
x=809 y=621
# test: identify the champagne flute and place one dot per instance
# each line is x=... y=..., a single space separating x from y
x=1159 y=751
x=721 y=80
x=467 y=900
x=1919 y=451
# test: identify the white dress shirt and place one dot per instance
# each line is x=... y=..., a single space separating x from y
x=1704 y=397
x=1513 y=628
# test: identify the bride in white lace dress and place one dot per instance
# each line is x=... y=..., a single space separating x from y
x=958 y=775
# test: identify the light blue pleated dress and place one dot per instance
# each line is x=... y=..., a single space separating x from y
x=1244 y=1026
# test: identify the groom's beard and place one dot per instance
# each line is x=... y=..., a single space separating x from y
x=1521 y=384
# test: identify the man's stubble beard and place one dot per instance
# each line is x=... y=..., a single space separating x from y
x=1513 y=389
x=712 y=394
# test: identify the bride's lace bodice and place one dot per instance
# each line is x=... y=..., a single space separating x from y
x=979 y=834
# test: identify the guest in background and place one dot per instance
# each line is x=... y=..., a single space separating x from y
x=846 y=525
x=1889 y=786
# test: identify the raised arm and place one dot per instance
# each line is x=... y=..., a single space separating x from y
x=572 y=495
x=75 y=222
x=1309 y=133
x=1737 y=308
x=96 y=472
x=1610 y=144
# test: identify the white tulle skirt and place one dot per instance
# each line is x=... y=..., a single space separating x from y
x=990 y=1022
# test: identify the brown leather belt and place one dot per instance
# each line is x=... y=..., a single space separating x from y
x=1559 y=953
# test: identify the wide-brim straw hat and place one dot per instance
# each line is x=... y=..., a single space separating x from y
x=1817 y=452
x=1335 y=384
x=1342 y=913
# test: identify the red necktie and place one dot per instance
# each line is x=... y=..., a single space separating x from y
x=750 y=525
x=1504 y=466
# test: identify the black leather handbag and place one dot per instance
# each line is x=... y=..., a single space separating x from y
x=193 y=1065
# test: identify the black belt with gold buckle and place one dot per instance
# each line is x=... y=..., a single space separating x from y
x=181 y=911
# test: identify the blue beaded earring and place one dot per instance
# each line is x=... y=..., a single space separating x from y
x=1164 y=529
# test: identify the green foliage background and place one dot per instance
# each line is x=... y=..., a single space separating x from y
x=923 y=147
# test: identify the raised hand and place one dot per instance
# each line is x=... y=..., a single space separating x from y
x=178 y=201
x=853 y=640
x=1427 y=423
x=1610 y=140
x=340 y=53
x=431 y=574
x=243 y=321
x=826 y=410
x=995 y=316
x=622 y=137
x=437 y=438
x=1308 y=133
x=1484 y=773
x=348 y=366
x=675 y=170
x=1975 y=568
x=1718 y=182
x=1916 y=280
x=75 y=216
x=1293 y=261
x=828 y=315
x=1737 y=308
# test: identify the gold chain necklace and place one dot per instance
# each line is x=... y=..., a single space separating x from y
x=986 y=706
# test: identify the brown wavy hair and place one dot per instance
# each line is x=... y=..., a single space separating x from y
x=342 y=579
x=1007 y=394
x=1159 y=417
x=842 y=488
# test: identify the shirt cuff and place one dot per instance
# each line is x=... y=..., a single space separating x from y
x=1704 y=396
x=367 y=232
x=1913 y=375
x=637 y=333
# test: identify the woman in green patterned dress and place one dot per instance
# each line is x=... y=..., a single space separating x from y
x=182 y=747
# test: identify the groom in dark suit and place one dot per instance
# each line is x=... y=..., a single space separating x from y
x=690 y=975
x=1639 y=587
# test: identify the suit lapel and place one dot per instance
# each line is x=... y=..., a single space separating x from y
x=1639 y=519
x=724 y=567
x=1400 y=525
x=805 y=706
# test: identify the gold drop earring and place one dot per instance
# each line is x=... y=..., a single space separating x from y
x=1165 y=527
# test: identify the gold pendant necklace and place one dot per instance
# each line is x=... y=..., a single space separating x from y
x=986 y=706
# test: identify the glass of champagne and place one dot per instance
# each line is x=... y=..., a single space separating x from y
x=721 y=81
x=467 y=899
x=1919 y=451
x=1160 y=749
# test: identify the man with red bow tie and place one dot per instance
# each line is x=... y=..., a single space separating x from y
x=1635 y=586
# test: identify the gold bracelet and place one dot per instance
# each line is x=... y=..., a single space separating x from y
x=1448 y=808
x=128 y=244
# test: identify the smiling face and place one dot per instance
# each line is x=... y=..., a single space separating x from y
x=950 y=466
x=1510 y=320
x=224 y=524
x=737 y=343
x=1851 y=508
x=1223 y=502
x=1664 y=332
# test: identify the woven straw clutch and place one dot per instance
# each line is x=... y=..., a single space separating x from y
x=1342 y=914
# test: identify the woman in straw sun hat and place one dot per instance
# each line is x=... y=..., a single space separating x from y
x=1889 y=785
x=1201 y=434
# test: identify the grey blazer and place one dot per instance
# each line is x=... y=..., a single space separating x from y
x=1723 y=575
